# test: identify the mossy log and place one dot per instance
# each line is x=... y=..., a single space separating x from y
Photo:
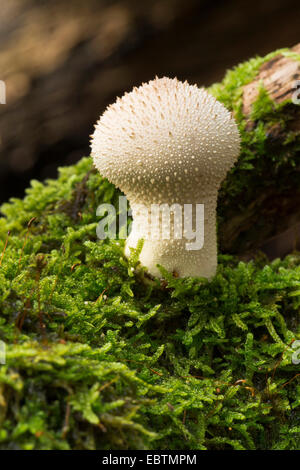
x=259 y=205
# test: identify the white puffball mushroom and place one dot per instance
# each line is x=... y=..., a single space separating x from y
x=168 y=142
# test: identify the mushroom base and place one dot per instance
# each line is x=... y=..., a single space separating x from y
x=184 y=256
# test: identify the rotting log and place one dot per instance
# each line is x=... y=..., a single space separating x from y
x=259 y=205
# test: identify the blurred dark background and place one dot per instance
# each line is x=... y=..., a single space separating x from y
x=64 y=61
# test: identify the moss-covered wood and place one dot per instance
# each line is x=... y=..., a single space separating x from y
x=97 y=358
x=261 y=197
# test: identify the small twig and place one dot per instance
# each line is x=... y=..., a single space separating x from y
x=289 y=381
x=100 y=296
x=25 y=240
x=107 y=384
x=65 y=428
x=6 y=241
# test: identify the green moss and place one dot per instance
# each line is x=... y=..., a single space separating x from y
x=263 y=105
x=97 y=358
x=291 y=55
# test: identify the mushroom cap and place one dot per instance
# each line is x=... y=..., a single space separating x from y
x=164 y=135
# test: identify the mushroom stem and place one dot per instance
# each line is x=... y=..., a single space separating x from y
x=194 y=253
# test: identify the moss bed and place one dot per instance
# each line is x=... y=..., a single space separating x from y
x=97 y=357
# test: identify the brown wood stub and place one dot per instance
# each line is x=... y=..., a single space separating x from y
x=278 y=77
